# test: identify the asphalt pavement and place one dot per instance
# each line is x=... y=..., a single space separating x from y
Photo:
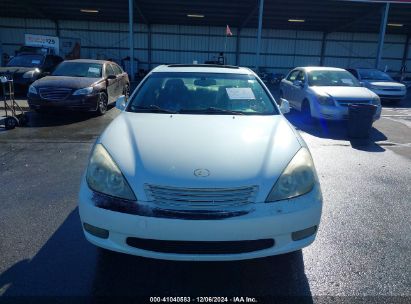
x=362 y=251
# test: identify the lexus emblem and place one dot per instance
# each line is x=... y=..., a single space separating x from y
x=201 y=172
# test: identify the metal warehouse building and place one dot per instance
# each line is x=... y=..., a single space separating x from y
x=293 y=32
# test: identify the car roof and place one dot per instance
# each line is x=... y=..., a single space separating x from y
x=202 y=68
x=89 y=61
x=320 y=68
x=372 y=69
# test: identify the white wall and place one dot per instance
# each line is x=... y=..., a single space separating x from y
x=281 y=49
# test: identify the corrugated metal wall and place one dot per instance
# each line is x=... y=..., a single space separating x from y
x=281 y=49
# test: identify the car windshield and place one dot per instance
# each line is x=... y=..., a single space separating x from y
x=374 y=75
x=202 y=93
x=78 y=69
x=331 y=78
x=27 y=61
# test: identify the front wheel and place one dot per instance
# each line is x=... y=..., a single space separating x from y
x=102 y=104
x=10 y=122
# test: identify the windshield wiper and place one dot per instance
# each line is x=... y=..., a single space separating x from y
x=151 y=108
x=211 y=110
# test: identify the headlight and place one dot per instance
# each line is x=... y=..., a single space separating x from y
x=84 y=91
x=103 y=175
x=31 y=74
x=325 y=100
x=297 y=179
x=32 y=90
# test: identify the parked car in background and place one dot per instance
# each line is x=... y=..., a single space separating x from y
x=25 y=68
x=200 y=165
x=82 y=84
x=325 y=92
x=381 y=84
x=270 y=78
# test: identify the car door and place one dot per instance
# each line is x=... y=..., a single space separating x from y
x=120 y=78
x=288 y=88
x=299 y=87
x=112 y=84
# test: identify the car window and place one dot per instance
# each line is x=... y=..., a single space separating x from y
x=199 y=92
x=116 y=68
x=109 y=70
x=28 y=60
x=78 y=69
x=332 y=78
x=374 y=75
x=301 y=76
x=293 y=75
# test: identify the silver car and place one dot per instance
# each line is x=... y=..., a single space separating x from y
x=325 y=93
x=381 y=84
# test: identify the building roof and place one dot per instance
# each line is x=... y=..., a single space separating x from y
x=318 y=15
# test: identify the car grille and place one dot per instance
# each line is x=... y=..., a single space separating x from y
x=54 y=93
x=200 y=198
x=392 y=89
x=346 y=103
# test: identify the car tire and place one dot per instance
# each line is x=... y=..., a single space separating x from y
x=306 y=112
x=102 y=104
x=10 y=122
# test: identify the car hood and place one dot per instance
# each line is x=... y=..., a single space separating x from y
x=17 y=70
x=344 y=92
x=164 y=149
x=384 y=84
x=66 y=82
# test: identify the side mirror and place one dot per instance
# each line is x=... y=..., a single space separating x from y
x=362 y=83
x=121 y=103
x=285 y=106
x=298 y=83
x=111 y=77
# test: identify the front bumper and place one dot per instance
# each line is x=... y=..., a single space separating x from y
x=337 y=113
x=390 y=95
x=273 y=221
x=76 y=103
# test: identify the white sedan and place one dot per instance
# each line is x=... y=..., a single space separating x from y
x=325 y=93
x=200 y=165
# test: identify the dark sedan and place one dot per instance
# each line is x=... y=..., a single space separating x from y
x=25 y=68
x=82 y=84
